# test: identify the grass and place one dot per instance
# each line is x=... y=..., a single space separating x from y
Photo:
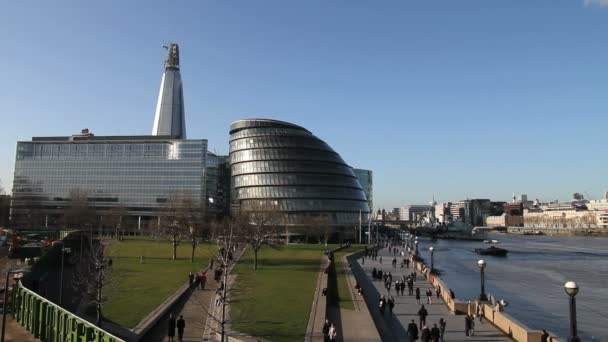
x=140 y=287
x=343 y=298
x=274 y=302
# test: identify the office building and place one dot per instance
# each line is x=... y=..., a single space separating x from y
x=414 y=212
x=284 y=166
x=170 y=116
x=5 y=208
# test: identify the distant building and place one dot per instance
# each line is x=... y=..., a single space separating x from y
x=442 y=212
x=366 y=180
x=504 y=220
x=457 y=211
x=5 y=209
x=413 y=213
x=560 y=215
x=475 y=210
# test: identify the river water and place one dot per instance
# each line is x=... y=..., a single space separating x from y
x=532 y=277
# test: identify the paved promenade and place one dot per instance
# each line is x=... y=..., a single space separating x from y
x=393 y=327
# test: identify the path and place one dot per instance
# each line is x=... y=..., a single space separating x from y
x=406 y=308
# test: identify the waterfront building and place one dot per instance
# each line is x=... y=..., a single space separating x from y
x=442 y=212
x=560 y=215
x=504 y=220
x=170 y=116
x=5 y=206
x=475 y=210
x=284 y=167
x=414 y=212
x=457 y=211
x=137 y=173
x=365 y=178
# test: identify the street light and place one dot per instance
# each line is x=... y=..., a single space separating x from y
x=572 y=289
x=6 y=300
x=431 y=249
x=482 y=295
x=193 y=242
x=416 y=243
x=64 y=250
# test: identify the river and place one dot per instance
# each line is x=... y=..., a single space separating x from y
x=532 y=277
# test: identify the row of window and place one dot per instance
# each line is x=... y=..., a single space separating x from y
x=279 y=154
x=314 y=205
x=293 y=166
x=300 y=192
x=295 y=179
x=258 y=132
x=279 y=142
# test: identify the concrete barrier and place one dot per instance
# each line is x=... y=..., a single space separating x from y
x=318 y=311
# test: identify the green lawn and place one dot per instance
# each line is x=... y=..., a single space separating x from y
x=274 y=302
x=140 y=287
x=343 y=298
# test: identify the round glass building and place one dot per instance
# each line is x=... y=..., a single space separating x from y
x=284 y=165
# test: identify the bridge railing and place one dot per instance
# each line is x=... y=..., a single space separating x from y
x=49 y=322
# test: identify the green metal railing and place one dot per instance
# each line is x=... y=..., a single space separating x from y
x=49 y=322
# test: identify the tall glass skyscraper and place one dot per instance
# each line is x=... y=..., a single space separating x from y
x=366 y=181
x=284 y=165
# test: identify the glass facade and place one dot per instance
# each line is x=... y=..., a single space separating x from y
x=138 y=173
x=286 y=166
x=366 y=180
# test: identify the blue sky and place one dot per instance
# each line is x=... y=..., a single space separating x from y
x=453 y=98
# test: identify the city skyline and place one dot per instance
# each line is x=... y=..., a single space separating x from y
x=439 y=119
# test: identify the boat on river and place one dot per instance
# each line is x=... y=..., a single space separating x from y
x=490 y=241
x=492 y=250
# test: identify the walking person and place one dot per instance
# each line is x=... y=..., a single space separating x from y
x=422 y=313
x=442 y=324
x=545 y=336
x=202 y=279
x=333 y=332
x=435 y=333
x=190 y=279
x=402 y=287
x=171 y=328
x=326 y=326
x=380 y=259
x=391 y=305
x=425 y=334
x=181 y=325
x=412 y=331
x=472 y=323
x=480 y=312
x=417 y=295
x=467 y=325
x=429 y=295
x=381 y=305
x=438 y=291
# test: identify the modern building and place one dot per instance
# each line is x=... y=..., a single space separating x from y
x=170 y=116
x=284 y=166
x=504 y=220
x=138 y=173
x=5 y=208
x=365 y=178
x=442 y=212
x=414 y=212
x=476 y=210
x=457 y=211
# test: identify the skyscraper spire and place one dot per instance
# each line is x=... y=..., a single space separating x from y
x=169 y=118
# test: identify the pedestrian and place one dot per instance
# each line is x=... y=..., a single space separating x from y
x=333 y=333
x=438 y=291
x=190 y=279
x=442 y=324
x=452 y=295
x=410 y=287
x=390 y=277
x=412 y=331
x=381 y=305
x=171 y=328
x=391 y=304
x=422 y=313
x=467 y=325
x=380 y=259
x=397 y=286
x=417 y=295
x=218 y=298
x=181 y=325
x=435 y=333
x=480 y=311
x=202 y=279
x=472 y=323
x=428 y=296
x=394 y=262
x=545 y=336
x=374 y=273
x=402 y=287
x=326 y=326
x=425 y=334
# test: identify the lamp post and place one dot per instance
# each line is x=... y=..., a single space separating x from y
x=64 y=250
x=431 y=249
x=416 y=243
x=482 y=295
x=572 y=289
x=8 y=273
x=193 y=238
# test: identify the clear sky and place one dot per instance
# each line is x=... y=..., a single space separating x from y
x=452 y=98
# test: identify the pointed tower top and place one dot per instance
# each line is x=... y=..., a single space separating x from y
x=172 y=60
x=169 y=117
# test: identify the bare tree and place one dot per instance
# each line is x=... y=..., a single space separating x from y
x=113 y=219
x=93 y=274
x=182 y=218
x=260 y=223
x=321 y=227
x=79 y=212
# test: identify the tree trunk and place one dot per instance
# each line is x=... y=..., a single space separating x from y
x=174 y=248
x=255 y=259
x=193 y=247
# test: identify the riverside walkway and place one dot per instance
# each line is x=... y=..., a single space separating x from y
x=393 y=327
